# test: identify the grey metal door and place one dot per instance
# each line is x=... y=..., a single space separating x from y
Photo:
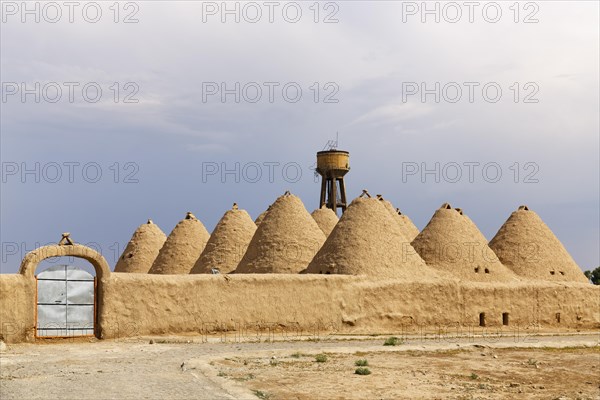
x=65 y=302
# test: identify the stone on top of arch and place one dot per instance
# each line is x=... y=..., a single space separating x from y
x=66 y=247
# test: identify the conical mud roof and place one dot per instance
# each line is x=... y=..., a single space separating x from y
x=227 y=244
x=326 y=219
x=285 y=241
x=368 y=241
x=527 y=246
x=408 y=228
x=452 y=243
x=142 y=249
x=262 y=215
x=182 y=248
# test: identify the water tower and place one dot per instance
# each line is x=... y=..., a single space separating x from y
x=332 y=165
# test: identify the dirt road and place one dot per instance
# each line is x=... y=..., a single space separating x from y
x=547 y=367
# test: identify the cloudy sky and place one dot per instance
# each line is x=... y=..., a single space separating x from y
x=111 y=115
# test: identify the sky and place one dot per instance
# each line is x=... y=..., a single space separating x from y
x=113 y=113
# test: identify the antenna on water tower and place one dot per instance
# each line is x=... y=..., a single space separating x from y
x=332 y=144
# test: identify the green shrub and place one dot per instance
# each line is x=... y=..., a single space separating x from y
x=321 y=358
x=361 y=363
x=362 y=371
x=262 y=395
x=392 y=341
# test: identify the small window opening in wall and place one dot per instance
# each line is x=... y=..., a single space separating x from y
x=487 y=271
x=476 y=269
x=505 y=318
x=328 y=273
x=482 y=319
x=557 y=316
x=551 y=272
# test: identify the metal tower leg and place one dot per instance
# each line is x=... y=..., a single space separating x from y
x=343 y=195
x=323 y=192
x=334 y=194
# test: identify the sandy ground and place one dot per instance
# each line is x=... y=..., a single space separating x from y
x=544 y=367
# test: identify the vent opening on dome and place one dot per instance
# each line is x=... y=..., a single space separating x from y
x=523 y=208
x=459 y=210
x=552 y=272
x=487 y=271
x=365 y=193
x=477 y=269
x=482 y=319
x=505 y=318
x=557 y=316
x=446 y=206
x=561 y=272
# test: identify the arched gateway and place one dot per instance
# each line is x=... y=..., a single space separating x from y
x=67 y=297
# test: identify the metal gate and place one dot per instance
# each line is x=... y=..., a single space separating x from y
x=66 y=302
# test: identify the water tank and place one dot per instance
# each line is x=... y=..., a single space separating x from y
x=333 y=162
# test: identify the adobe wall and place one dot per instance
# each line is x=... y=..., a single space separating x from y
x=17 y=307
x=534 y=303
x=139 y=304
x=291 y=305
